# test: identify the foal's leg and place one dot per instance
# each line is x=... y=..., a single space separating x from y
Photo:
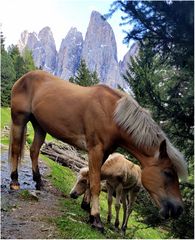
x=39 y=137
x=118 y=205
x=86 y=200
x=124 y=201
x=110 y=191
x=95 y=162
x=130 y=199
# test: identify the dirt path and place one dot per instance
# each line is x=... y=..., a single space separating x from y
x=27 y=214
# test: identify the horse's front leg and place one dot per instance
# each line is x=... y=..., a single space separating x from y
x=95 y=162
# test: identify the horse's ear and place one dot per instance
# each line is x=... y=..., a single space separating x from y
x=163 y=149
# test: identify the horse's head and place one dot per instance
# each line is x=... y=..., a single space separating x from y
x=81 y=184
x=161 y=181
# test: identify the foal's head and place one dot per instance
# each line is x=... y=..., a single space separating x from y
x=81 y=184
x=161 y=181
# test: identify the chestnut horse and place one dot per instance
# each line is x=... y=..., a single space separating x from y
x=97 y=119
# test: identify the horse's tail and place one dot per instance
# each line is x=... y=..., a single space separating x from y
x=20 y=144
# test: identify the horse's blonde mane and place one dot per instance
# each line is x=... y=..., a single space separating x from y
x=137 y=122
x=178 y=160
x=144 y=131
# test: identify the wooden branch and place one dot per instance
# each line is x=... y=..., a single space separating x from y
x=66 y=155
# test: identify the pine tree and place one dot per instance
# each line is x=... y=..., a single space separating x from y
x=17 y=60
x=13 y=66
x=168 y=25
x=22 y=63
x=162 y=79
x=8 y=75
x=162 y=88
x=95 y=79
x=166 y=35
x=84 y=77
x=29 y=64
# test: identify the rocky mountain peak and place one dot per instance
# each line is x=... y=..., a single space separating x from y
x=133 y=51
x=46 y=36
x=42 y=46
x=100 y=51
x=69 y=54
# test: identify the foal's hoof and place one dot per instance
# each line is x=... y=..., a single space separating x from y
x=85 y=206
x=96 y=223
x=14 y=186
x=109 y=219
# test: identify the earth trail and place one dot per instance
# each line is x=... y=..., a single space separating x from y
x=28 y=214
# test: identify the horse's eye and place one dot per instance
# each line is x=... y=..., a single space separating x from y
x=84 y=181
x=168 y=173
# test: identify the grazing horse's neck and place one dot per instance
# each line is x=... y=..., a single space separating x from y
x=145 y=157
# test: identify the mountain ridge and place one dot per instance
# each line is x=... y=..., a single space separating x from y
x=98 y=49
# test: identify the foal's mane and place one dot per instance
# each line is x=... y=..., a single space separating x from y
x=144 y=131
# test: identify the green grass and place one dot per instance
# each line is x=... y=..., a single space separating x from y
x=5 y=117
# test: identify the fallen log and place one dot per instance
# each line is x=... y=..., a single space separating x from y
x=65 y=154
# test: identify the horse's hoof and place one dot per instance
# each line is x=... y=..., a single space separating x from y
x=96 y=223
x=123 y=230
x=85 y=206
x=116 y=226
x=39 y=186
x=109 y=219
x=14 y=186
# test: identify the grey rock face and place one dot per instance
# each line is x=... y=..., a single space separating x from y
x=100 y=51
x=69 y=55
x=42 y=46
x=133 y=51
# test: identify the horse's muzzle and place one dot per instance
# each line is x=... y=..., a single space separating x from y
x=170 y=209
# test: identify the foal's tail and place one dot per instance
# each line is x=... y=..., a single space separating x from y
x=16 y=144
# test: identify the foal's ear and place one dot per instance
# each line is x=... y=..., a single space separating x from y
x=163 y=149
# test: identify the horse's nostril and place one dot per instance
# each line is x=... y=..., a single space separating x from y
x=73 y=195
x=164 y=213
x=171 y=209
x=178 y=211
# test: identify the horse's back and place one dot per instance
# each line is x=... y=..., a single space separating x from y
x=71 y=107
x=27 y=86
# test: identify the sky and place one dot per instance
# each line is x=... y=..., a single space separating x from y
x=60 y=15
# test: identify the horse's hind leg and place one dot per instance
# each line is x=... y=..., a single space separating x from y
x=17 y=141
x=39 y=137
